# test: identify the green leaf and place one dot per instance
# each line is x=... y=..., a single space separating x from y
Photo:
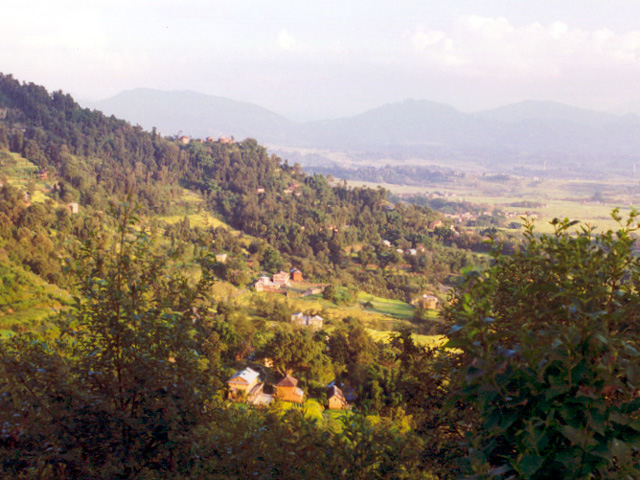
x=620 y=449
x=529 y=464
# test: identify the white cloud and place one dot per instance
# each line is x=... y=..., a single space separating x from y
x=287 y=42
x=478 y=46
x=422 y=40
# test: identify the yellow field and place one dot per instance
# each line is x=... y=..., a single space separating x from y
x=196 y=220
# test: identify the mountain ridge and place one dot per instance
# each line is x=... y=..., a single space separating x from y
x=531 y=129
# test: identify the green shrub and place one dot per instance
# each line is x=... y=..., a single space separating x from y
x=551 y=365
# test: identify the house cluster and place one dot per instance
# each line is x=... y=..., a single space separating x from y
x=279 y=281
x=462 y=217
x=245 y=385
x=276 y=283
x=314 y=322
x=409 y=251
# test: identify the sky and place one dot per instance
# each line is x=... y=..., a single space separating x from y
x=326 y=58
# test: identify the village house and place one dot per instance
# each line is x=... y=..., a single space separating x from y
x=221 y=258
x=336 y=398
x=42 y=174
x=315 y=290
x=428 y=302
x=287 y=390
x=225 y=140
x=281 y=277
x=296 y=275
x=184 y=139
x=314 y=322
x=265 y=284
x=73 y=207
x=242 y=382
x=277 y=283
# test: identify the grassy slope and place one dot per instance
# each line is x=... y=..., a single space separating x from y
x=26 y=300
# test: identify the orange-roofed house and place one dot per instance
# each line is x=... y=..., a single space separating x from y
x=336 y=399
x=287 y=390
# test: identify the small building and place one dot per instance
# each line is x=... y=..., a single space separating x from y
x=221 y=258
x=281 y=277
x=314 y=322
x=225 y=140
x=73 y=207
x=296 y=275
x=242 y=383
x=287 y=390
x=260 y=190
x=428 y=302
x=336 y=398
x=277 y=283
x=184 y=139
x=42 y=174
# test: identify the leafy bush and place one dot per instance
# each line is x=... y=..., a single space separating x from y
x=549 y=341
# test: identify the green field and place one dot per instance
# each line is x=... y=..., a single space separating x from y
x=586 y=200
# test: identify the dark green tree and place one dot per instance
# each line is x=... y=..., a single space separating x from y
x=550 y=362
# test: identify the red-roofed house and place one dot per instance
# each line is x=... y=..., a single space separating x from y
x=287 y=390
x=336 y=399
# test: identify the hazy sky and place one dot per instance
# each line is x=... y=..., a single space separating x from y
x=329 y=58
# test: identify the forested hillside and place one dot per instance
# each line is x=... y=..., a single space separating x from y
x=329 y=230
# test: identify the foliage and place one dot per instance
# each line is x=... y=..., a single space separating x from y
x=297 y=350
x=549 y=341
x=119 y=393
x=269 y=445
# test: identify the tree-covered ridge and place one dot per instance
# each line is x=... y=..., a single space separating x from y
x=324 y=227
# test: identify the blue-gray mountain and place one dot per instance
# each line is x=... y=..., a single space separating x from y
x=520 y=133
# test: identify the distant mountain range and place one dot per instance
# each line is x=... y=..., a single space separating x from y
x=523 y=132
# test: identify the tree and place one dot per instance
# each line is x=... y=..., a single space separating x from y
x=550 y=357
x=120 y=392
x=296 y=351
